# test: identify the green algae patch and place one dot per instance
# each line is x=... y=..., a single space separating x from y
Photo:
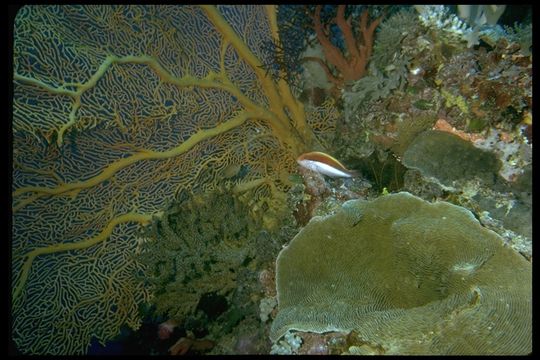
x=408 y=277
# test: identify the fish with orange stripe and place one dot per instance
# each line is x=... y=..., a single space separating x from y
x=325 y=164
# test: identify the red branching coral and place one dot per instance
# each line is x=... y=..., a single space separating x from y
x=351 y=65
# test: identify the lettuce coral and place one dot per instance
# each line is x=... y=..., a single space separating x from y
x=408 y=277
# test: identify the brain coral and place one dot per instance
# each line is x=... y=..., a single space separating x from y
x=409 y=277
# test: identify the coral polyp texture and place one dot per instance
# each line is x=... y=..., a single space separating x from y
x=116 y=109
x=449 y=158
x=406 y=277
x=189 y=253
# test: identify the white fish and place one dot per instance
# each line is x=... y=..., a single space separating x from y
x=324 y=164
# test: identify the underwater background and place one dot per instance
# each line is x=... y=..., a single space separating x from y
x=174 y=186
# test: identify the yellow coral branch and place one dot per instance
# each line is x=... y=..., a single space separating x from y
x=118 y=165
x=272 y=21
x=246 y=54
x=105 y=233
x=243 y=187
x=279 y=97
x=212 y=80
x=295 y=107
x=57 y=91
x=280 y=123
x=27 y=201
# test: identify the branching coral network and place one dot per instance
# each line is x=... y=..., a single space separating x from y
x=352 y=64
x=140 y=128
